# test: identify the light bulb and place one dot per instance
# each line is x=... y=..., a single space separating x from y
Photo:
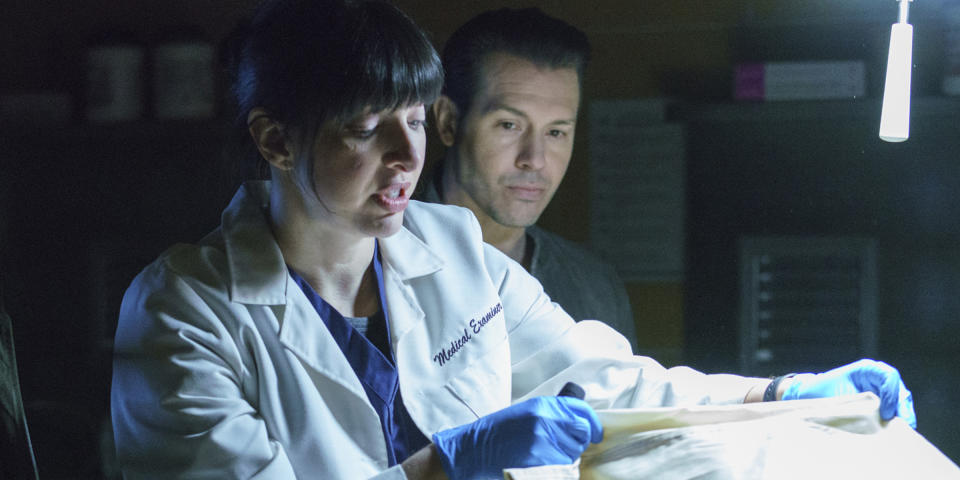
x=895 y=116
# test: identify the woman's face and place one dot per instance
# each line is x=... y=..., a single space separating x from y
x=365 y=170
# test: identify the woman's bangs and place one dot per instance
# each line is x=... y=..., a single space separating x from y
x=395 y=66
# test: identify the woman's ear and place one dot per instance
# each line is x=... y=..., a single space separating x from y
x=271 y=139
x=446 y=114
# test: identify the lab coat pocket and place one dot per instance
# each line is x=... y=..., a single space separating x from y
x=484 y=385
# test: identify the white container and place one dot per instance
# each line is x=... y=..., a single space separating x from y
x=183 y=80
x=114 y=90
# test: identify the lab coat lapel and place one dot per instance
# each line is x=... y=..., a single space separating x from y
x=258 y=276
x=405 y=257
x=304 y=333
x=257 y=270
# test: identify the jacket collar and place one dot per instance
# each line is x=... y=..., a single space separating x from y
x=258 y=273
x=406 y=254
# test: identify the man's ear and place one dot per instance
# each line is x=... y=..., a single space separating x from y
x=447 y=115
x=271 y=139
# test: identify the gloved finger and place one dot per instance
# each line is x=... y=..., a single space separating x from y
x=552 y=451
x=572 y=431
x=583 y=411
x=888 y=388
x=905 y=407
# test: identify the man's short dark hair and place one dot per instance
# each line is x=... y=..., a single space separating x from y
x=526 y=33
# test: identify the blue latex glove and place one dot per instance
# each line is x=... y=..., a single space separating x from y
x=860 y=376
x=539 y=431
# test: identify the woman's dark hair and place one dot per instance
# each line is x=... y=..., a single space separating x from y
x=311 y=61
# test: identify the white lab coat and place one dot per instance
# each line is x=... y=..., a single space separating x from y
x=223 y=368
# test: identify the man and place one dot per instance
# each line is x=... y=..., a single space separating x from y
x=507 y=116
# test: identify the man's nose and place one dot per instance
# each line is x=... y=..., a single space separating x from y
x=532 y=154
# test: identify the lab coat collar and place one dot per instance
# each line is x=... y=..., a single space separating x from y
x=258 y=274
x=407 y=255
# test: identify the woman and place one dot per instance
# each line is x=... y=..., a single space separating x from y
x=331 y=327
x=237 y=358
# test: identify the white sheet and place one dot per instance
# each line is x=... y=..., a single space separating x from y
x=841 y=437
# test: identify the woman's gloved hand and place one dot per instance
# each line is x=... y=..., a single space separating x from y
x=539 y=431
x=860 y=376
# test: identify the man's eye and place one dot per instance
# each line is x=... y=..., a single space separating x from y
x=557 y=133
x=508 y=125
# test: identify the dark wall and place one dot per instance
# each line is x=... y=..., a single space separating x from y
x=87 y=208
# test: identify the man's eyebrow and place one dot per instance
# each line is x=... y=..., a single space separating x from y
x=493 y=107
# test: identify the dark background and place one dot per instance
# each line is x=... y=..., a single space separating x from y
x=83 y=207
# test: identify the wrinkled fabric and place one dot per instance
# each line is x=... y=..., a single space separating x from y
x=828 y=438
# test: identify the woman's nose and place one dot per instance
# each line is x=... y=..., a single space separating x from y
x=404 y=146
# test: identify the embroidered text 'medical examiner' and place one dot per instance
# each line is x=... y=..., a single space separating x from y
x=475 y=325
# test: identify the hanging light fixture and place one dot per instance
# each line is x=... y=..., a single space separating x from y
x=895 y=116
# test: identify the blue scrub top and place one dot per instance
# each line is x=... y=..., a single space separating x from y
x=372 y=360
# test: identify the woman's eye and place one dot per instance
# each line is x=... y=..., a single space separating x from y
x=417 y=124
x=508 y=125
x=360 y=132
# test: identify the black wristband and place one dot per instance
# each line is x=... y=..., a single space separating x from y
x=770 y=394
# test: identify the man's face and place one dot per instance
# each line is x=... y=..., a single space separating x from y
x=515 y=143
